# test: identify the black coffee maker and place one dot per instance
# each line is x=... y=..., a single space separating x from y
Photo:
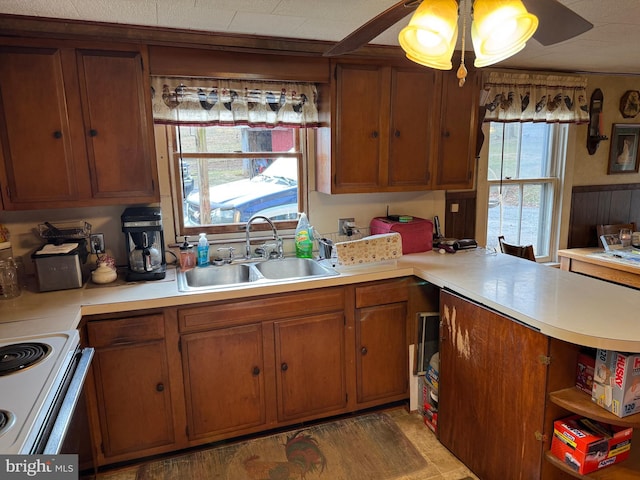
x=142 y=227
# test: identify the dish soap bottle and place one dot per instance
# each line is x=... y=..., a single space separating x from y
x=203 y=250
x=304 y=241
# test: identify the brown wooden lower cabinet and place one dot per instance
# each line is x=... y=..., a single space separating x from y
x=382 y=367
x=224 y=380
x=132 y=394
x=491 y=394
x=310 y=366
x=185 y=376
x=501 y=387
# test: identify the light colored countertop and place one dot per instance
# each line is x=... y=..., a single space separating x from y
x=558 y=303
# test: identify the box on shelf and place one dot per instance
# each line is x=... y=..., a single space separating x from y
x=429 y=404
x=584 y=371
x=616 y=382
x=417 y=233
x=585 y=445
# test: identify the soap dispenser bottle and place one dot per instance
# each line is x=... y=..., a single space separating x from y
x=187 y=255
x=203 y=250
x=304 y=240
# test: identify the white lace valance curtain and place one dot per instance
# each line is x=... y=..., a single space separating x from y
x=202 y=101
x=528 y=97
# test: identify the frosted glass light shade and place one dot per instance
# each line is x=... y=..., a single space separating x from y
x=430 y=37
x=500 y=29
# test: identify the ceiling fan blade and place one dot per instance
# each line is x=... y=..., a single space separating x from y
x=557 y=23
x=373 y=28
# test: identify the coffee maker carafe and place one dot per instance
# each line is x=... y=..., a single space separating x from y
x=142 y=227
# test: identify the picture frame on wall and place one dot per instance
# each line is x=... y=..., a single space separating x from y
x=623 y=154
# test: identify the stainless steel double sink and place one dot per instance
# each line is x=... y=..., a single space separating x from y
x=212 y=276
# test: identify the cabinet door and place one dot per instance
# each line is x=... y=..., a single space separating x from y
x=117 y=125
x=35 y=135
x=456 y=158
x=358 y=132
x=414 y=107
x=382 y=352
x=491 y=390
x=310 y=366
x=224 y=380
x=132 y=383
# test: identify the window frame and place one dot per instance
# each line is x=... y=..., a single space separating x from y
x=558 y=152
x=175 y=173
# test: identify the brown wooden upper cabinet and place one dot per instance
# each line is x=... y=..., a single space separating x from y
x=455 y=161
x=76 y=125
x=397 y=128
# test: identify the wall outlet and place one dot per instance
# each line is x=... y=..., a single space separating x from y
x=97 y=243
x=344 y=224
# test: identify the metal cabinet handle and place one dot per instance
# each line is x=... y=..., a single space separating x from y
x=57 y=134
x=364 y=350
x=160 y=387
x=374 y=134
x=284 y=367
x=256 y=371
x=93 y=133
x=396 y=134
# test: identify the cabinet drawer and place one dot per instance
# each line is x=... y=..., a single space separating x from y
x=261 y=309
x=125 y=330
x=382 y=293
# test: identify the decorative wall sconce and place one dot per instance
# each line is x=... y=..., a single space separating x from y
x=595 y=122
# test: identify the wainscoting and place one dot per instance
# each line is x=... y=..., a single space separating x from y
x=461 y=223
x=601 y=204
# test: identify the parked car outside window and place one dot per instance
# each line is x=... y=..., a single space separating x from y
x=230 y=173
x=274 y=192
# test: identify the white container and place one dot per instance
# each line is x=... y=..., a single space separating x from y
x=104 y=274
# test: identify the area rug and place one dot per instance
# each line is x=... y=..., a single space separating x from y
x=359 y=448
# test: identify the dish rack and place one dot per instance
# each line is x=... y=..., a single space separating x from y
x=62 y=231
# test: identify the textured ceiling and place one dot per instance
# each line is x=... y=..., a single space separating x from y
x=611 y=46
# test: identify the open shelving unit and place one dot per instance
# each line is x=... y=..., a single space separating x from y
x=580 y=403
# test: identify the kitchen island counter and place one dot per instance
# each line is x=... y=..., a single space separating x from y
x=559 y=304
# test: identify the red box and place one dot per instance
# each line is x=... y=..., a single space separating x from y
x=585 y=445
x=584 y=372
x=417 y=234
x=429 y=404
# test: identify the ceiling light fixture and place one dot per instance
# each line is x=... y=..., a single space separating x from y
x=499 y=29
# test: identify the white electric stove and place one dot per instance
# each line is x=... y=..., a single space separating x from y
x=41 y=379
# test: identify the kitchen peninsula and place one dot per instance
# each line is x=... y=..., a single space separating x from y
x=496 y=311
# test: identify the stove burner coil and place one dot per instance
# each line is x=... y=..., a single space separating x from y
x=7 y=420
x=19 y=356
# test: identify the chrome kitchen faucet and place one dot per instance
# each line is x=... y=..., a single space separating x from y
x=276 y=237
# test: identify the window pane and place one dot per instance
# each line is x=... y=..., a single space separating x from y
x=504 y=214
x=525 y=156
x=521 y=214
x=240 y=188
x=524 y=208
x=221 y=185
x=534 y=158
x=236 y=139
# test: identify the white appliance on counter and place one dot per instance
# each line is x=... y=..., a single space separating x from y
x=41 y=380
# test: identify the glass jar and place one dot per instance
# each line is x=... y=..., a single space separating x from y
x=9 y=286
